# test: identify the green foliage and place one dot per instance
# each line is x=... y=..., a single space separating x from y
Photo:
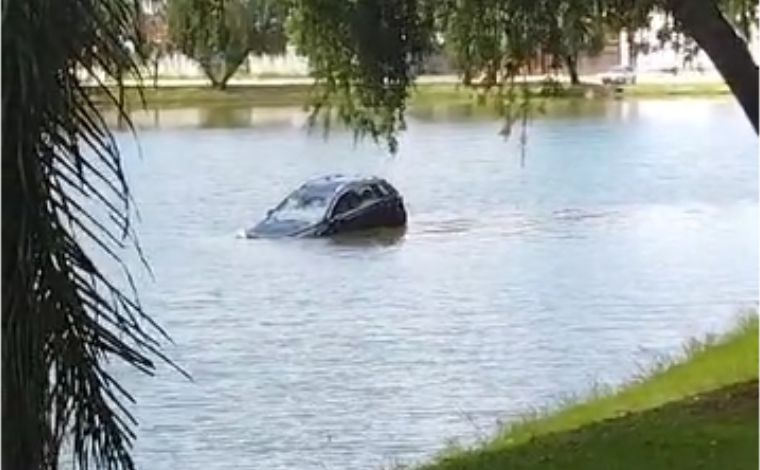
x=742 y=14
x=364 y=55
x=630 y=15
x=152 y=47
x=493 y=41
x=496 y=39
x=576 y=27
x=474 y=34
x=221 y=34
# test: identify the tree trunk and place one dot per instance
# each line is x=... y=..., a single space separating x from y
x=232 y=66
x=704 y=22
x=633 y=52
x=467 y=77
x=571 y=62
x=208 y=70
x=228 y=70
x=120 y=115
x=491 y=76
x=155 y=72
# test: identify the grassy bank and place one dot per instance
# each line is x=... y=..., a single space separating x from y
x=190 y=96
x=670 y=90
x=424 y=95
x=433 y=94
x=697 y=412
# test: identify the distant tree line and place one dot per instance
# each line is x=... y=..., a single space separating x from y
x=491 y=40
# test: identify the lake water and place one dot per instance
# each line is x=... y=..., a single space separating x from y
x=629 y=228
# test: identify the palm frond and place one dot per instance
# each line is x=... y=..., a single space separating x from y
x=65 y=196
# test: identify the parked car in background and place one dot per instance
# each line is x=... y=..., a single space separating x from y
x=620 y=75
x=333 y=205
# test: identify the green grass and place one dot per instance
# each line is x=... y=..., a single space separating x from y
x=179 y=97
x=698 y=89
x=423 y=96
x=699 y=411
x=717 y=430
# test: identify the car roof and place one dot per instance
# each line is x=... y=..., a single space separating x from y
x=328 y=186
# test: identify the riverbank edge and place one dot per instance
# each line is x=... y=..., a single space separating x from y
x=423 y=95
x=580 y=432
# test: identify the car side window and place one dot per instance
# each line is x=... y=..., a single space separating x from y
x=378 y=191
x=368 y=195
x=387 y=189
x=347 y=202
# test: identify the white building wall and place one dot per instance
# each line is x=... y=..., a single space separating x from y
x=289 y=64
x=178 y=65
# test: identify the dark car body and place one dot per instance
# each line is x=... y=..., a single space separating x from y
x=332 y=205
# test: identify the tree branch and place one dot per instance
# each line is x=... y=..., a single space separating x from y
x=704 y=22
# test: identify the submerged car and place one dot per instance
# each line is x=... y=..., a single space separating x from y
x=333 y=205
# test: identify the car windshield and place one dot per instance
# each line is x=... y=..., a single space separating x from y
x=300 y=206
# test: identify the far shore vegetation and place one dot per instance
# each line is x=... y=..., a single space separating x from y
x=290 y=95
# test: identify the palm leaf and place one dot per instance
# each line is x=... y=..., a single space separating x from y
x=65 y=198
